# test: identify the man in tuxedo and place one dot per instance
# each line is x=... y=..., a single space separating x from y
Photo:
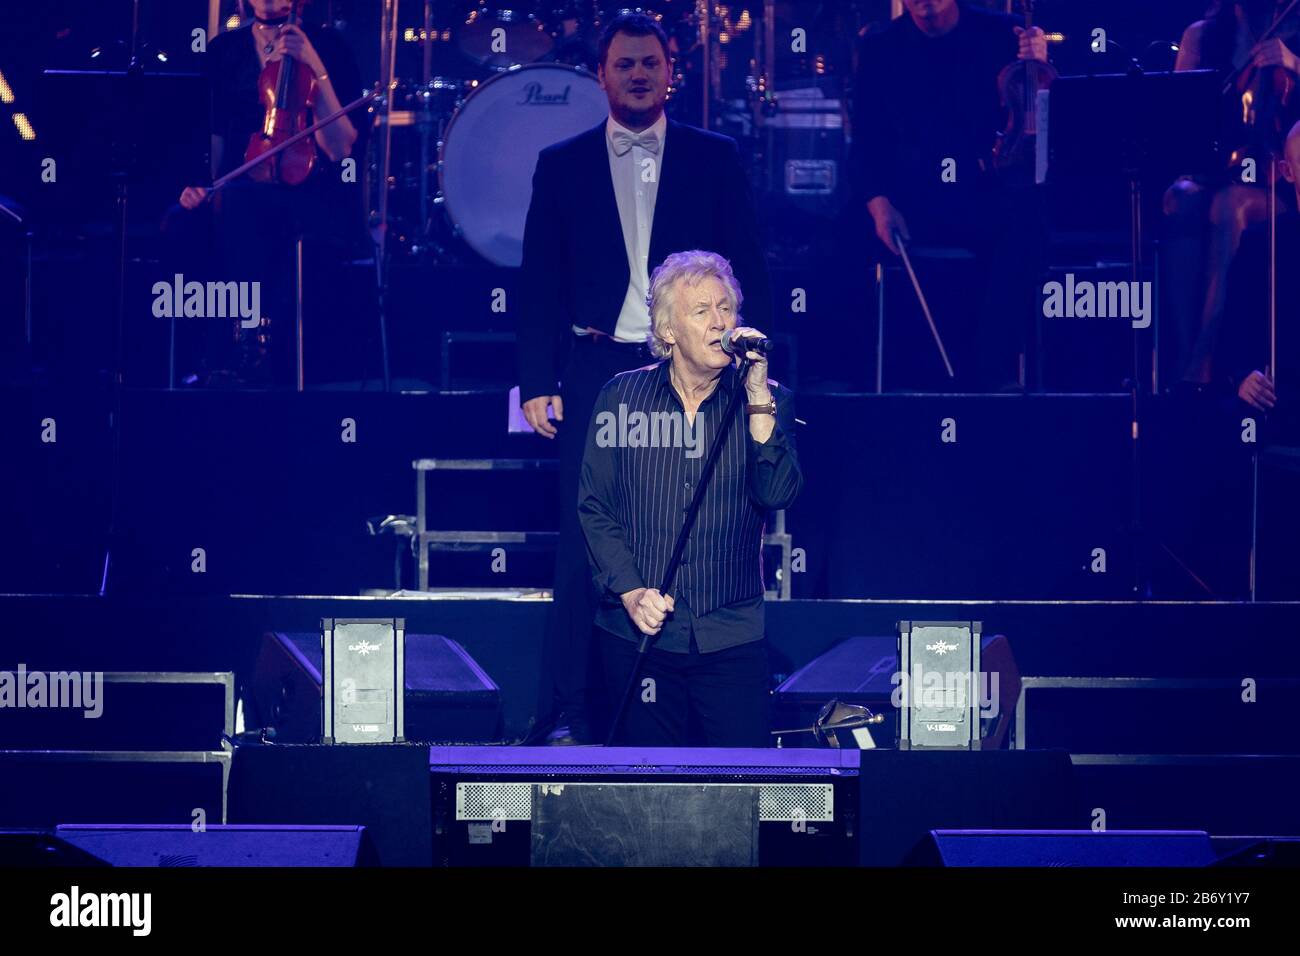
x=608 y=206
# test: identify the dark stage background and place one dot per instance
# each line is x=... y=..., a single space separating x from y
x=1030 y=502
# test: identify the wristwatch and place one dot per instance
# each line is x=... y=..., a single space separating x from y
x=766 y=409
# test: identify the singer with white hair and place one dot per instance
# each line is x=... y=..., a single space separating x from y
x=608 y=206
x=709 y=657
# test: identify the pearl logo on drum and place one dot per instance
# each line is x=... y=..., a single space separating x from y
x=534 y=95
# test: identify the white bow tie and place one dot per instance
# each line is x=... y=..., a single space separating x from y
x=625 y=141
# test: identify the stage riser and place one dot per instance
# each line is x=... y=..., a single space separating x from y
x=1182 y=721
x=1019 y=506
x=155 y=712
x=1238 y=796
x=505 y=637
x=51 y=789
x=425 y=808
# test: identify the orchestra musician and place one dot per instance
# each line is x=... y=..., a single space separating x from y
x=926 y=104
x=254 y=225
x=1206 y=217
x=1247 y=348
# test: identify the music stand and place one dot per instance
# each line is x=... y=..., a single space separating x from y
x=1128 y=131
x=100 y=134
x=130 y=130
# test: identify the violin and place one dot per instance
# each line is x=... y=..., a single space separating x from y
x=287 y=90
x=1265 y=98
x=1018 y=86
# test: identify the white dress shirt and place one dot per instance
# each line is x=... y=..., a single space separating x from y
x=635 y=176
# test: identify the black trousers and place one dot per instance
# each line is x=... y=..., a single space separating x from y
x=570 y=660
x=718 y=699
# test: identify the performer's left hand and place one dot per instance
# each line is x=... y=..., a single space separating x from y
x=293 y=42
x=1033 y=44
x=756 y=380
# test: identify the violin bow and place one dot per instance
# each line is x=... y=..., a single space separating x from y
x=1266 y=35
x=925 y=306
x=1272 y=268
x=296 y=137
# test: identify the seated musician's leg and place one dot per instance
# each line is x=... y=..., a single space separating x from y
x=1233 y=208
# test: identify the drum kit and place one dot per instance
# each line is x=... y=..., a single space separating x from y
x=457 y=138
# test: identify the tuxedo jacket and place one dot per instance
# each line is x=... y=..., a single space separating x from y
x=575 y=268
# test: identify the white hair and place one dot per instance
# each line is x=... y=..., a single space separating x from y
x=690 y=267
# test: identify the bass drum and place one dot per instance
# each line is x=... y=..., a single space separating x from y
x=487 y=158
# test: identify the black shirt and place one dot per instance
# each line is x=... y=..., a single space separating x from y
x=633 y=497
x=919 y=100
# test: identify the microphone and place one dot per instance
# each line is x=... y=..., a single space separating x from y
x=733 y=345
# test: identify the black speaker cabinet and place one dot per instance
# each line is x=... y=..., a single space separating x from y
x=904 y=794
x=383 y=787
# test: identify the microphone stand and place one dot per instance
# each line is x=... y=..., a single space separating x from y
x=675 y=559
x=125 y=155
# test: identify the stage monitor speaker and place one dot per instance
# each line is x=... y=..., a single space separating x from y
x=652 y=824
x=383 y=787
x=223 y=845
x=904 y=794
x=1063 y=848
x=37 y=849
x=863 y=670
x=1255 y=852
x=449 y=697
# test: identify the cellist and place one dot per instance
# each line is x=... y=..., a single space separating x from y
x=255 y=223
